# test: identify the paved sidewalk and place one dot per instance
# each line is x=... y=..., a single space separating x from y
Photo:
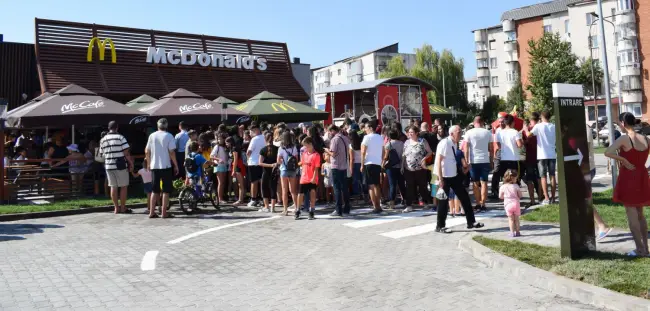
x=618 y=241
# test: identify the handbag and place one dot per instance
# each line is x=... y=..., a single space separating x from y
x=99 y=157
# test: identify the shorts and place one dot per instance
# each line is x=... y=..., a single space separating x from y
x=546 y=167
x=118 y=178
x=452 y=194
x=221 y=168
x=148 y=187
x=164 y=176
x=255 y=173
x=531 y=173
x=434 y=190
x=306 y=188
x=288 y=174
x=513 y=209
x=479 y=172
x=372 y=174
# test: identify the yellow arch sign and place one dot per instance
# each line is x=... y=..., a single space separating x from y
x=101 y=44
x=283 y=106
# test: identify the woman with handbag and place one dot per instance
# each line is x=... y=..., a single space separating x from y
x=414 y=166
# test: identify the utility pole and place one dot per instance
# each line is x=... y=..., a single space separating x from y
x=608 y=98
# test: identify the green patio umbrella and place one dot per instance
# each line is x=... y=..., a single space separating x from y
x=141 y=101
x=223 y=100
x=438 y=110
x=267 y=106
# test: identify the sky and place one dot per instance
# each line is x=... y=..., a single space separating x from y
x=319 y=32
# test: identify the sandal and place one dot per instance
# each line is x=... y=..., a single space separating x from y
x=443 y=230
x=603 y=234
x=154 y=216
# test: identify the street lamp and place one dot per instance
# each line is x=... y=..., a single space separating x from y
x=608 y=98
x=444 y=96
x=618 y=66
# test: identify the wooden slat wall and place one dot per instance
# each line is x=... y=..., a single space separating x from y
x=61 y=52
x=18 y=73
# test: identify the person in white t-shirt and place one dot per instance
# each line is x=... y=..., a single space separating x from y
x=446 y=168
x=546 y=155
x=161 y=157
x=372 y=153
x=509 y=142
x=254 y=169
x=477 y=153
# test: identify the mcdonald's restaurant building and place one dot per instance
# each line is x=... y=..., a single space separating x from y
x=123 y=63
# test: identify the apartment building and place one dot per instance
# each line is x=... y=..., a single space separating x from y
x=502 y=56
x=363 y=67
x=473 y=91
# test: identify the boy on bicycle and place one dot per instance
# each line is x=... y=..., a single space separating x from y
x=195 y=164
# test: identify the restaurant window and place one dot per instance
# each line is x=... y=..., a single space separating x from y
x=591 y=113
x=548 y=28
x=495 y=81
x=493 y=44
x=493 y=63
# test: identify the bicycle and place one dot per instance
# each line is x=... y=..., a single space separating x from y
x=195 y=194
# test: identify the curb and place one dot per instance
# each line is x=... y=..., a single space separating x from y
x=79 y=211
x=559 y=285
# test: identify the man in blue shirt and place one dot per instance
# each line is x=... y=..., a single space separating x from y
x=181 y=140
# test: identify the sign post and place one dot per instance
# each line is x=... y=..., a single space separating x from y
x=574 y=178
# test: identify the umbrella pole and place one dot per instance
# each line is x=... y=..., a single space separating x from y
x=47 y=135
x=73 y=133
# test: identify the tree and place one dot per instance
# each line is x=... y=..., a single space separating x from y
x=395 y=68
x=491 y=108
x=516 y=98
x=585 y=76
x=551 y=61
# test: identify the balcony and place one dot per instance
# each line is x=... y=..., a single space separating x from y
x=322 y=77
x=482 y=54
x=479 y=35
x=484 y=91
x=355 y=68
x=512 y=66
x=510 y=46
x=630 y=70
x=635 y=96
x=482 y=73
x=482 y=63
x=483 y=82
x=512 y=57
x=625 y=17
x=481 y=46
x=508 y=25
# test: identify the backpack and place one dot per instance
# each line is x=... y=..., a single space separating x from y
x=291 y=164
x=190 y=164
x=393 y=157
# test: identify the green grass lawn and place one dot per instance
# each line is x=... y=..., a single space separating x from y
x=613 y=214
x=63 y=205
x=599 y=150
x=612 y=271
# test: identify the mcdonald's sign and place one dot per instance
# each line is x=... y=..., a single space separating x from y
x=101 y=45
x=282 y=106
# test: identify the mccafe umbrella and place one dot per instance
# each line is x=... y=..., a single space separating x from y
x=267 y=106
x=141 y=101
x=74 y=105
x=183 y=105
x=12 y=121
x=222 y=100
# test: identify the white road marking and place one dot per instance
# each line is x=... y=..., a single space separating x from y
x=386 y=219
x=451 y=222
x=198 y=233
x=149 y=261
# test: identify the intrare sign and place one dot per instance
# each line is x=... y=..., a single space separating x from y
x=156 y=55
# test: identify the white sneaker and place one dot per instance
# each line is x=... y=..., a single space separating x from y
x=263 y=210
x=399 y=206
x=546 y=202
x=408 y=209
x=252 y=204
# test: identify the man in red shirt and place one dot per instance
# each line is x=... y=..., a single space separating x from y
x=309 y=166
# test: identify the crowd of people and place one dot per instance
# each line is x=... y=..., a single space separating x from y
x=409 y=167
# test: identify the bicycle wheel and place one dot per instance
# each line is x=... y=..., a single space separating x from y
x=187 y=200
x=212 y=196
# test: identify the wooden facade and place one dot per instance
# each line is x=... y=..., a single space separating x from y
x=18 y=73
x=61 y=52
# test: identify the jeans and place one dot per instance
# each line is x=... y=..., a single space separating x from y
x=455 y=183
x=357 y=182
x=341 y=194
x=396 y=180
x=416 y=182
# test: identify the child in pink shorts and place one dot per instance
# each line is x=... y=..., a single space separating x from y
x=510 y=193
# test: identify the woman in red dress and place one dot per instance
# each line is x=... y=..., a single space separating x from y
x=633 y=185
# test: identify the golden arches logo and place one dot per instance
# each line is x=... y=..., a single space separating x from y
x=282 y=106
x=101 y=45
x=241 y=107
